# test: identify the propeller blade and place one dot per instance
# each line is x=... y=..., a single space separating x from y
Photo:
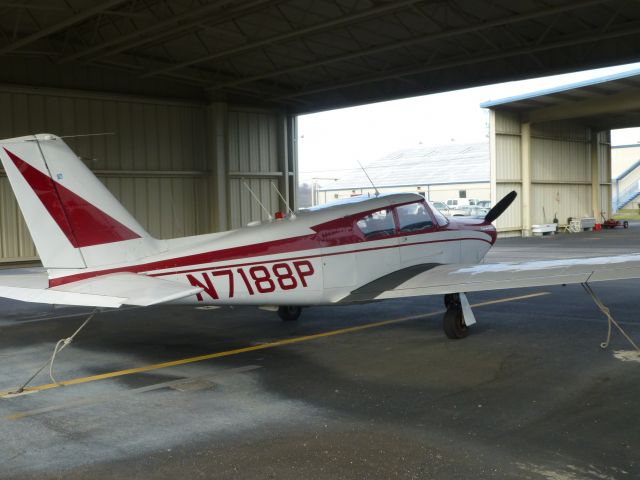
x=500 y=207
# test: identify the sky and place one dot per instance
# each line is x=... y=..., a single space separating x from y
x=331 y=144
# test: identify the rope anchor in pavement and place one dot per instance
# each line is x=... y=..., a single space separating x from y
x=60 y=345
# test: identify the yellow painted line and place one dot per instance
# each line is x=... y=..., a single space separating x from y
x=253 y=348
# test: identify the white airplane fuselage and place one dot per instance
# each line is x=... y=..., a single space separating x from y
x=315 y=257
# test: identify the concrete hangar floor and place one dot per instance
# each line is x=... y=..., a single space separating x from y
x=370 y=391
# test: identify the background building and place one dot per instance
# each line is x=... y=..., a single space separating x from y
x=553 y=147
x=437 y=173
x=625 y=173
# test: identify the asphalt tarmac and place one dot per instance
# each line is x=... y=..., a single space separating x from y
x=354 y=392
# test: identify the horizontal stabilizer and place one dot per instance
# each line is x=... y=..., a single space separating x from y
x=60 y=298
x=136 y=289
x=107 y=291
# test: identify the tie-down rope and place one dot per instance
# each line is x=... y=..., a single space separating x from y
x=611 y=321
x=60 y=345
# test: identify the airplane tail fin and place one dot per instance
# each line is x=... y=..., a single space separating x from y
x=75 y=222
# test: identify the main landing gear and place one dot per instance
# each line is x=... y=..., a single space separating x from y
x=289 y=313
x=458 y=316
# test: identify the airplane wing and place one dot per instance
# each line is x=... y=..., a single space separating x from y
x=436 y=279
x=110 y=291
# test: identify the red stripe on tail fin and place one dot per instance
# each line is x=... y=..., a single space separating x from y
x=83 y=224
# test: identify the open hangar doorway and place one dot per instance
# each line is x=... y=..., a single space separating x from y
x=202 y=96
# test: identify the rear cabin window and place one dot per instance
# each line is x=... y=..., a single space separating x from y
x=377 y=224
x=413 y=217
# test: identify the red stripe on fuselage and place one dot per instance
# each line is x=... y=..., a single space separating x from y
x=290 y=246
x=82 y=223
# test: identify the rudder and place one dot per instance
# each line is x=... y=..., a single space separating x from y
x=74 y=220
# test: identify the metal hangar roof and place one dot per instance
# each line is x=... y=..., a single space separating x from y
x=306 y=55
x=603 y=103
x=439 y=165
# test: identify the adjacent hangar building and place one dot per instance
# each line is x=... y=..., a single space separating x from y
x=199 y=97
x=554 y=148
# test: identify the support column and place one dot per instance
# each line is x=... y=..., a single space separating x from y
x=595 y=176
x=217 y=162
x=525 y=152
x=292 y=170
x=493 y=158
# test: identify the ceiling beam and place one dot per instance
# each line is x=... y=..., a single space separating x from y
x=332 y=23
x=127 y=41
x=412 y=41
x=56 y=27
x=629 y=28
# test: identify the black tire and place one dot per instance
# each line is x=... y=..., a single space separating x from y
x=625 y=224
x=452 y=300
x=289 y=313
x=453 y=324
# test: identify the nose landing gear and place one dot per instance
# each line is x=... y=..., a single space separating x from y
x=458 y=316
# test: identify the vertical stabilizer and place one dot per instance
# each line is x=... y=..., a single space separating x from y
x=75 y=222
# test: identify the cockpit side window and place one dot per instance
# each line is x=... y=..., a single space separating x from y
x=413 y=217
x=377 y=225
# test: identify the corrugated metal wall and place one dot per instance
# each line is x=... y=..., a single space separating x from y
x=161 y=162
x=561 y=183
x=255 y=164
x=507 y=175
x=560 y=172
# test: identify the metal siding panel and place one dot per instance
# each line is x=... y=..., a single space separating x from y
x=110 y=161
x=244 y=142
x=147 y=136
x=512 y=217
x=560 y=160
x=238 y=208
x=15 y=241
x=563 y=200
x=562 y=130
x=274 y=141
x=604 y=156
x=139 y=140
x=98 y=143
x=125 y=158
x=6 y=105
x=253 y=132
x=508 y=158
x=264 y=162
x=36 y=117
x=83 y=127
x=507 y=123
x=20 y=114
x=605 y=198
x=150 y=145
x=233 y=140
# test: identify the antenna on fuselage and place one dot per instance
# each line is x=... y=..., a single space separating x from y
x=255 y=197
x=369 y=178
x=293 y=215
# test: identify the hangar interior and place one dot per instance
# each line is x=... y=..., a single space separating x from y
x=554 y=148
x=201 y=96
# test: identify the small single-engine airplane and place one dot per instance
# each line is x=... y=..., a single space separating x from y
x=362 y=249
